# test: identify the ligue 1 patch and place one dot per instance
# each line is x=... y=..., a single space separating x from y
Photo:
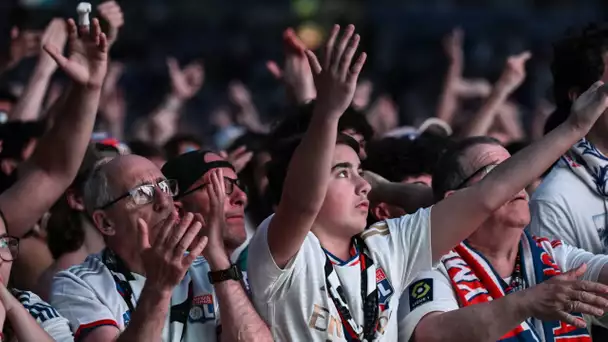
x=420 y=292
x=202 y=310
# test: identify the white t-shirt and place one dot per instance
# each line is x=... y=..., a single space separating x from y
x=45 y=315
x=294 y=300
x=564 y=207
x=442 y=298
x=87 y=296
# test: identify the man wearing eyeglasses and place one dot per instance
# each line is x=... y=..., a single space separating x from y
x=149 y=283
x=192 y=171
x=501 y=284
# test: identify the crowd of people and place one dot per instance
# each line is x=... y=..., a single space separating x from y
x=332 y=224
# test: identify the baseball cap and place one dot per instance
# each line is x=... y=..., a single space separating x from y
x=187 y=168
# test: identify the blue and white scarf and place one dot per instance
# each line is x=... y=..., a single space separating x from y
x=589 y=164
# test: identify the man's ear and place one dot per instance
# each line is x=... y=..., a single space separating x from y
x=103 y=223
x=74 y=201
x=381 y=211
x=449 y=193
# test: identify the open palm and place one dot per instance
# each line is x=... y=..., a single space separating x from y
x=86 y=63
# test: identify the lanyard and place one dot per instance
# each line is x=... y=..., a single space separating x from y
x=178 y=313
x=369 y=300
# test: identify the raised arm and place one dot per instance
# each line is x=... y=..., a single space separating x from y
x=185 y=83
x=29 y=106
x=460 y=214
x=240 y=321
x=309 y=169
x=511 y=78
x=296 y=75
x=547 y=301
x=59 y=153
x=448 y=102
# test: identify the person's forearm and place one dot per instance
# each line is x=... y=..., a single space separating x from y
x=148 y=320
x=240 y=321
x=517 y=172
x=448 y=102
x=164 y=119
x=25 y=326
x=477 y=322
x=59 y=153
x=29 y=106
x=409 y=197
x=483 y=119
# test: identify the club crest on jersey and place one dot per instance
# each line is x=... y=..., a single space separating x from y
x=385 y=289
x=202 y=310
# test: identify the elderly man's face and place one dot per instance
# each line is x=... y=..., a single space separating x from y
x=125 y=174
x=514 y=213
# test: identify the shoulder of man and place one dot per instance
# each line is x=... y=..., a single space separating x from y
x=40 y=310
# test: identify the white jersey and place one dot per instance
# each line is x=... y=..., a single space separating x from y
x=442 y=298
x=45 y=315
x=88 y=297
x=294 y=300
x=564 y=207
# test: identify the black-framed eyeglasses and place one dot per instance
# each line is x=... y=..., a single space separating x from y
x=229 y=184
x=9 y=248
x=144 y=194
x=481 y=171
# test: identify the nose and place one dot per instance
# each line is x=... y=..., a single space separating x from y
x=362 y=187
x=162 y=201
x=238 y=197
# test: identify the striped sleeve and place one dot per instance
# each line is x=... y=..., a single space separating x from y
x=45 y=315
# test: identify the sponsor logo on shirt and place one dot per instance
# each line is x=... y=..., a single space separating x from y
x=202 y=310
x=420 y=292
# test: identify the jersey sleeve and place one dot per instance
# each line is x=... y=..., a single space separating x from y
x=76 y=300
x=266 y=279
x=414 y=242
x=430 y=292
x=549 y=220
x=569 y=257
x=46 y=316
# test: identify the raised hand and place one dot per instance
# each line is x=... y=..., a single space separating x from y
x=238 y=158
x=239 y=93
x=23 y=44
x=452 y=45
x=87 y=61
x=562 y=295
x=515 y=71
x=111 y=12
x=166 y=261
x=336 y=79
x=55 y=34
x=185 y=83
x=296 y=75
x=588 y=107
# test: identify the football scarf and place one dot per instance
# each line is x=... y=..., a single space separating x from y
x=475 y=281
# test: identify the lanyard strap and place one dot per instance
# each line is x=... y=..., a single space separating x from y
x=369 y=300
x=178 y=313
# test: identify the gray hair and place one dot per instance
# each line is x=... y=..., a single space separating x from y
x=97 y=192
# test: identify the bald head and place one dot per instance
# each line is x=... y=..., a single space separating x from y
x=112 y=177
